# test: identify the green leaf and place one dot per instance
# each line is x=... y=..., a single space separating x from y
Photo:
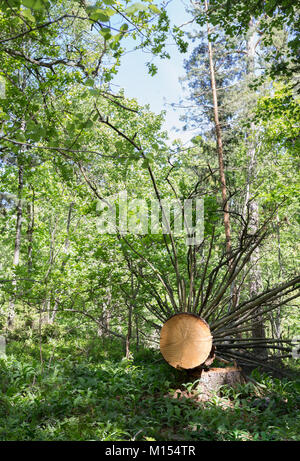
x=27 y=14
x=154 y=9
x=34 y=4
x=36 y=132
x=89 y=123
x=89 y=82
x=106 y=33
x=136 y=7
x=109 y=12
x=152 y=68
x=100 y=14
x=145 y=163
x=20 y=137
x=119 y=145
x=124 y=27
x=94 y=91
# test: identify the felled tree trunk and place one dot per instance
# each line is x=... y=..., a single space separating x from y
x=185 y=341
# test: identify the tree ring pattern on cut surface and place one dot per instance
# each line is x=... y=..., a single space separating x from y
x=185 y=341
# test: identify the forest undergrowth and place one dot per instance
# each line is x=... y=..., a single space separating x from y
x=66 y=388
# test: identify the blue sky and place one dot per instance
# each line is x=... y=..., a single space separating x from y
x=164 y=88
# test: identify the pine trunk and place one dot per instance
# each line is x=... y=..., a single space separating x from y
x=218 y=130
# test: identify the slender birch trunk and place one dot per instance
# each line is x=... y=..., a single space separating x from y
x=19 y=213
x=16 y=259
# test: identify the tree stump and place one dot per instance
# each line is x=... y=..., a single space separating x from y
x=214 y=378
x=185 y=341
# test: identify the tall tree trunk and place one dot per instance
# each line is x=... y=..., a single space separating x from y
x=129 y=320
x=105 y=317
x=276 y=315
x=130 y=302
x=16 y=259
x=129 y=331
x=218 y=130
x=30 y=228
x=258 y=330
x=19 y=212
x=53 y=311
x=137 y=332
x=67 y=240
x=47 y=304
x=19 y=218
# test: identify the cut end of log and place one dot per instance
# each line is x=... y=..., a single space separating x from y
x=185 y=341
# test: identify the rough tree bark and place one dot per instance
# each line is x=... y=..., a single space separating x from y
x=276 y=315
x=225 y=202
x=258 y=330
x=226 y=216
x=255 y=286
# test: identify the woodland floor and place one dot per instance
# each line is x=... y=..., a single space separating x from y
x=84 y=390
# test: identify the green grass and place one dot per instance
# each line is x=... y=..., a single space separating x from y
x=86 y=391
